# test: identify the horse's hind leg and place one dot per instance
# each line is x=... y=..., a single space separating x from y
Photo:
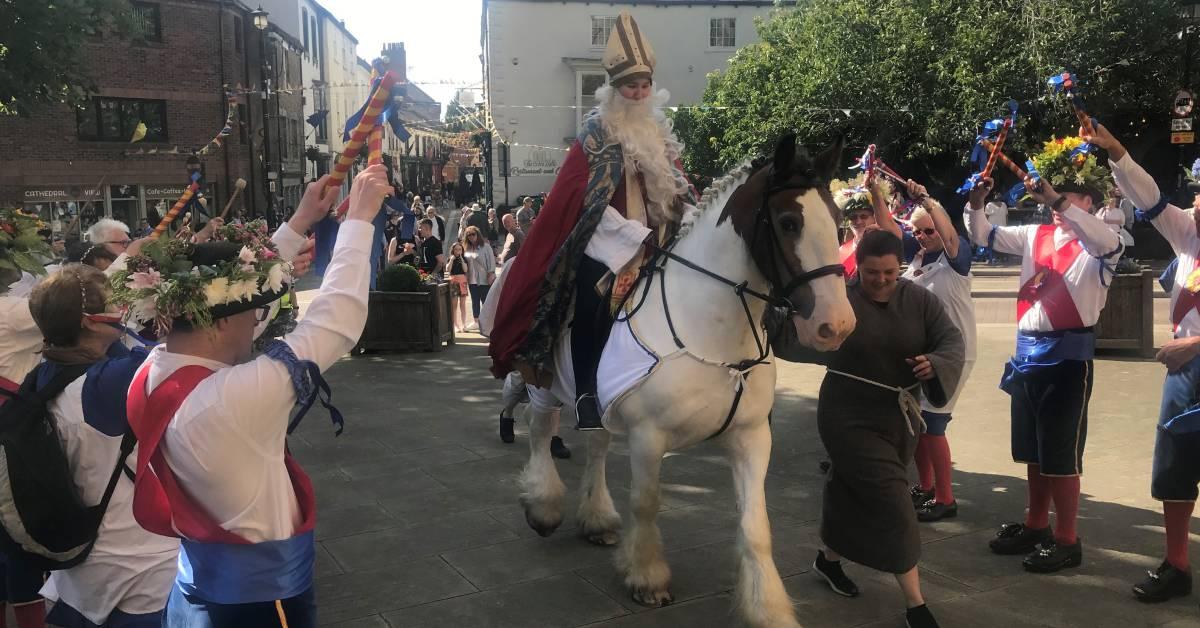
x=641 y=555
x=599 y=522
x=761 y=598
x=541 y=489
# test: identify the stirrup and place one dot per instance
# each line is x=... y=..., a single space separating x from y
x=588 y=420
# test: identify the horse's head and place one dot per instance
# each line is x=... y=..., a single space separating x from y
x=786 y=215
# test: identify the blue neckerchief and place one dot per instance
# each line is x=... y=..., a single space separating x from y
x=308 y=383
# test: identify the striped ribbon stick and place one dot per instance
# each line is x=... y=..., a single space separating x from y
x=995 y=151
x=358 y=136
x=374 y=156
x=1004 y=160
x=170 y=217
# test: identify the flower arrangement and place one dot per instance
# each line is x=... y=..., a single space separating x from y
x=21 y=248
x=161 y=284
x=853 y=194
x=1070 y=160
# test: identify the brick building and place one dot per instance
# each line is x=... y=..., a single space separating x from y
x=169 y=76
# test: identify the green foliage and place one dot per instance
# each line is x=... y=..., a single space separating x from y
x=921 y=76
x=42 y=46
x=400 y=278
x=21 y=248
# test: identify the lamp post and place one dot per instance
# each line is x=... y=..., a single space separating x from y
x=261 y=23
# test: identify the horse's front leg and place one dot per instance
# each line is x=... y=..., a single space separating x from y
x=541 y=489
x=761 y=598
x=599 y=522
x=641 y=557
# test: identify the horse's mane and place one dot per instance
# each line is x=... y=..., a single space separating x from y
x=718 y=192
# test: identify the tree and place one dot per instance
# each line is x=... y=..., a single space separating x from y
x=41 y=49
x=919 y=77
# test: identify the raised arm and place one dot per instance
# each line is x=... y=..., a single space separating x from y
x=941 y=220
x=883 y=216
x=1098 y=238
x=1009 y=240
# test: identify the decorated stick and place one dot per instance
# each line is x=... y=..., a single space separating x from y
x=1004 y=160
x=238 y=186
x=996 y=149
x=178 y=207
x=374 y=156
x=1066 y=82
x=358 y=136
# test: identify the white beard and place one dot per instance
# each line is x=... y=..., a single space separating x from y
x=649 y=145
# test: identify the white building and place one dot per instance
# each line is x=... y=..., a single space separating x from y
x=541 y=62
x=316 y=96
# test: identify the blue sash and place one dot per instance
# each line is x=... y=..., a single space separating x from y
x=1037 y=351
x=241 y=574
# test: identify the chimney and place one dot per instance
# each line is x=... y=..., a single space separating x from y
x=397 y=60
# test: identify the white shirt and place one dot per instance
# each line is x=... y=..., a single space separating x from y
x=129 y=568
x=20 y=338
x=1082 y=278
x=1114 y=217
x=225 y=445
x=1175 y=225
x=480 y=263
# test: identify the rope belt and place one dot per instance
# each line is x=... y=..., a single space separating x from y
x=910 y=408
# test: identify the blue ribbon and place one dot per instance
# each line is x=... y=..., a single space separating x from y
x=863 y=162
x=308 y=383
x=1058 y=82
x=246 y=573
x=1032 y=171
x=970 y=184
x=1015 y=193
x=1150 y=214
x=390 y=113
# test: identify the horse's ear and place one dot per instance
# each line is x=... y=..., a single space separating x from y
x=827 y=162
x=785 y=153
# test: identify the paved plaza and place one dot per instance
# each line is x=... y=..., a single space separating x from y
x=419 y=523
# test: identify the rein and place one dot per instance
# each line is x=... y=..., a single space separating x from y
x=658 y=262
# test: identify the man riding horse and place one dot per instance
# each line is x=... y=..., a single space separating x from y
x=619 y=190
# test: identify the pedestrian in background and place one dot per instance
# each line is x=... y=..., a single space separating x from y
x=481 y=268
x=456 y=272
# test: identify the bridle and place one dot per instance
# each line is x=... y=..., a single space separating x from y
x=778 y=297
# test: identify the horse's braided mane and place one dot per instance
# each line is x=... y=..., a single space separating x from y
x=719 y=190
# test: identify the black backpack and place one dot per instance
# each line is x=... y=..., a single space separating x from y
x=42 y=517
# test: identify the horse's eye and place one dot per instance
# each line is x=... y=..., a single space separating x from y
x=789 y=225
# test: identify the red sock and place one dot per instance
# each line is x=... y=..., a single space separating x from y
x=1066 y=508
x=1176 y=517
x=1038 y=516
x=32 y=615
x=939 y=456
x=924 y=463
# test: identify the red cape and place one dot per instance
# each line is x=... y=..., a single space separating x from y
x=525 y=275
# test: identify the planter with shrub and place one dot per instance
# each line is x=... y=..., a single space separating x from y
x=405 y=313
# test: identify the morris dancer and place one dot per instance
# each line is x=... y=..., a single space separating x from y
x=125 y=580
x=1176 y=456
x=1065 y=270
x=859 y=207
x=213 y=466
x=619 y=187
x=942 y=265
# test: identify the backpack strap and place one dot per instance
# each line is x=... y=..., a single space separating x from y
x=128 y=442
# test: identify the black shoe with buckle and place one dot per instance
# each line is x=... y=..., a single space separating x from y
x=936 y=511
x=920 y=496
x=831 y=571
x=506 y=429
x=558 y=449
x=1167 y=582
x=920 y=617
x=1054 y=556
x=1014 y=539
x=587 y=411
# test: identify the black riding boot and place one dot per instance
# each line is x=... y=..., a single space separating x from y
x=589 y=332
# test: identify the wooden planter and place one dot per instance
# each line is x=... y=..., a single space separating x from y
x=1127 y=321
x=408 y=321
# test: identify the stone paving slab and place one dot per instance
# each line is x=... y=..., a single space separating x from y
x=419 y=524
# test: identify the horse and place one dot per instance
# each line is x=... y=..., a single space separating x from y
x=763 y=235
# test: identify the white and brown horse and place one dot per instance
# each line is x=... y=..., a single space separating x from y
x=763 y=235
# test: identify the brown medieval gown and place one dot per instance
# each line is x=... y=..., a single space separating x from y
x=867 y=515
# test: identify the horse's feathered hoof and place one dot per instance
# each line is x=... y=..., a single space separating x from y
x=544 y=525
x=653 y=599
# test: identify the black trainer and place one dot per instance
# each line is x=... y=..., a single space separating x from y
x=1053 y=556
x=920 y=496
x=831 y=571
x=506 y=429
x=1164 y=583
x=587 y=411
x=558 y=449
x=920 y=617
x=936 y=511
x=1015 y=538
